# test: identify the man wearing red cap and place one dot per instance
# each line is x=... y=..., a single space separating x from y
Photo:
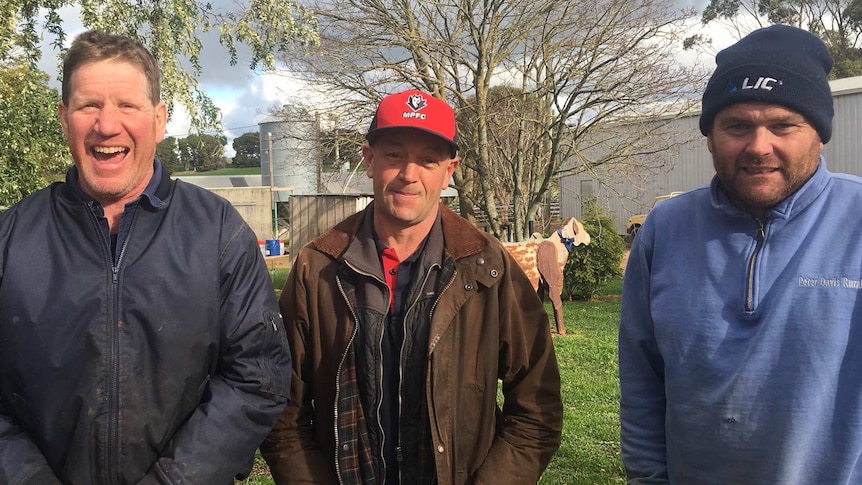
x=402 y=320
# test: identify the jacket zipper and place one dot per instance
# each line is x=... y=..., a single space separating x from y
x=380 y=396
x=350 y=342
x=442 y=290
x=114 y=360
x=341 y=365
x=111 y=473
x=380 y=382
x=760 y=236
x=398 y=448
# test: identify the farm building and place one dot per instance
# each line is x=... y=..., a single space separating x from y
x=288 y=142
x=690 y=164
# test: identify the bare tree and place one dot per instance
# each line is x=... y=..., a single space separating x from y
x=571 y=69
x=837 y=22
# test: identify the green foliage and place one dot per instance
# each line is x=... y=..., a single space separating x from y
x=172 y=31
x=168 y=152
x=724 y=9
x=247 y=148
x=590 y=267
x=847 y=57
x=202 y=152
x=838 y=23
x=33 y=152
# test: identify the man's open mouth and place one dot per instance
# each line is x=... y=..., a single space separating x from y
x=108 y=153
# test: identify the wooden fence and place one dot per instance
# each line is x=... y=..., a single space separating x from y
x=312 y=215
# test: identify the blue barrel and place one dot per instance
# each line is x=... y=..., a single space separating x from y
x=273 y=247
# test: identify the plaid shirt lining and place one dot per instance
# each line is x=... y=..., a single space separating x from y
x=354 y=457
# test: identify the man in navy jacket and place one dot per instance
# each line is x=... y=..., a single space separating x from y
x=140 y=340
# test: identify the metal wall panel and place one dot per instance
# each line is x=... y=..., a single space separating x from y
x=253 y=204
x=691 y=165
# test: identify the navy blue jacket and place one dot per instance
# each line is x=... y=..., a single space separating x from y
x=169 y=366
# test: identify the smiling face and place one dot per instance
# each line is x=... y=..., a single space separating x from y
x=112 y=128
x=762 y=154
x=409 y=169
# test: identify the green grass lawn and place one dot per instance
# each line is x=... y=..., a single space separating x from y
x=590 y=452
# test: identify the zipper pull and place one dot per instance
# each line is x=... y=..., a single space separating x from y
x=761 y=230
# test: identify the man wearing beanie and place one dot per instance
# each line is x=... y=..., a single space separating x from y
x=402 y=319
x=741 y=325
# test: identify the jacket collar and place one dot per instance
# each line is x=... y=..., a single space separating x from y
x=363 y=251
x=460 y=237
x=155 y=194
x=787 y=208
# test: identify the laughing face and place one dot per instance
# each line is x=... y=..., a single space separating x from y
x=112 y=127
x=762 y=154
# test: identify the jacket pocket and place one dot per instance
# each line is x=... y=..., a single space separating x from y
x=274 y=356
x=469 y=421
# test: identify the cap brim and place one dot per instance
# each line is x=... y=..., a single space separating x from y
x=372 y=135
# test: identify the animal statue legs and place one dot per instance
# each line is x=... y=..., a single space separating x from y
x=543 y=262
x=558 y=309
x=552 y=273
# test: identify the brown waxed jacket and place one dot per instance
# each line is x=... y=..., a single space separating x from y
x=487 y=324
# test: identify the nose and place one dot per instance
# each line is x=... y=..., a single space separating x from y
x=108 y=122
x=408 y=170
x=760 y=143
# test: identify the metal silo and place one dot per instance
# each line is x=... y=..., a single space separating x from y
x=292 y=134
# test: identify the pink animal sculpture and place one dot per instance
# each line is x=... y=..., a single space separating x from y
x=543 y=261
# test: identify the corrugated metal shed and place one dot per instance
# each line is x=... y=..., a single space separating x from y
x=691 y=165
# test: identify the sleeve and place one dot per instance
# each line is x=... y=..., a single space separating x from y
x=532 y=412
x=291 y=450
x=641 y=367
x=248 y=391
x=20 y=459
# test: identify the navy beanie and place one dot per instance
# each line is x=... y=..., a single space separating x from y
x=780 y=65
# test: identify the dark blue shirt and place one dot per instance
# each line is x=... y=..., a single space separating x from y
x=116 y=241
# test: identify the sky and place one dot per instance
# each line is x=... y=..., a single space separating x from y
x=245 y=97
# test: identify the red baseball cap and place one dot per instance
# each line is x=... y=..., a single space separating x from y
x=415 y=109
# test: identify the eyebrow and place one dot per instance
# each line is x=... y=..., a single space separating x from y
x=442 y=148
x=792 y=118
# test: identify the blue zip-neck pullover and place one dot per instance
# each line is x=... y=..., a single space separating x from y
x=740 y=346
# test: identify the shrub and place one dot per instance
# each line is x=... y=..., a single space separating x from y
x=590 y=267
